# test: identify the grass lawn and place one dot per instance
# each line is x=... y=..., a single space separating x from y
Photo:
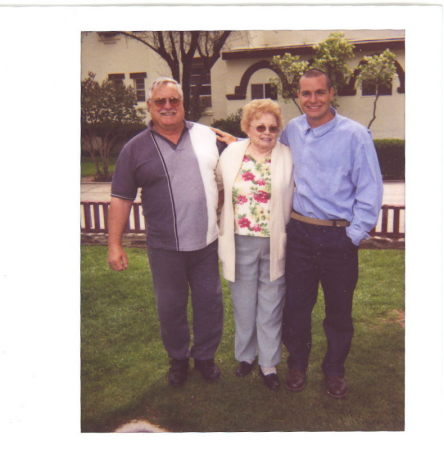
x=88 y=169
x=124 y=364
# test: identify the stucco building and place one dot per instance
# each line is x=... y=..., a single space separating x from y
x=243 y=72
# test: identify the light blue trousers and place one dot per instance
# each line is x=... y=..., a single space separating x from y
x=257 y=303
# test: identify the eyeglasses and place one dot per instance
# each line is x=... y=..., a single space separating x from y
x=174 y=101
x=272 y=129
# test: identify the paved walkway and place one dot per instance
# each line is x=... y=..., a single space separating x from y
x=394 y=192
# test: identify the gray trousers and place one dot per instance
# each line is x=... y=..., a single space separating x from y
x=257 y=303
x=174 y=275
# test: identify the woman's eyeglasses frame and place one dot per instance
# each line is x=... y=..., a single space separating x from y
x=272 y=129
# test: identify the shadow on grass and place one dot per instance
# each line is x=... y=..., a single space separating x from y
x=236 y=405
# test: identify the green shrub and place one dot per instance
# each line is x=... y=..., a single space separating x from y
x=130 y=132
x=391 y=155
x=126 y=132
x=230 y=125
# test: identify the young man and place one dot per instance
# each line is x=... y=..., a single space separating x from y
x=174 y=162
x=336 y=203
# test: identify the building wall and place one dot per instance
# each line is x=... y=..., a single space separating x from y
x=119 y=55
x=271 y=38
x=125 y=55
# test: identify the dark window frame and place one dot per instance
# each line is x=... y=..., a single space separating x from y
x=200 y=80
x=116 y=78
x=263 y=90
x=139 y=85
x=369 y=89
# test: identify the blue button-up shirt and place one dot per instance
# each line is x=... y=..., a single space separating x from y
x=336 y=172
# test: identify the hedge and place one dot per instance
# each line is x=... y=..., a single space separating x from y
x=391 y=155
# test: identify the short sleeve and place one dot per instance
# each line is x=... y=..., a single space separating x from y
x=124 y=179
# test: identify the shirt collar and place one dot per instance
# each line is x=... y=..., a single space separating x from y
x=187 y=124
x=187 y=127
x=323 y=129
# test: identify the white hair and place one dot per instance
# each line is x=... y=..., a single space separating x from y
x=161 y=81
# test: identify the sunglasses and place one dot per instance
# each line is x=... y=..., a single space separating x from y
x=174 y=101
x=272 y=129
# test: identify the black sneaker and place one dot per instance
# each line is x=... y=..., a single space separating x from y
x=207 y=368
x=178 y=372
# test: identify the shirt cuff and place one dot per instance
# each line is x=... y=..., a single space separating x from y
x=356 y=235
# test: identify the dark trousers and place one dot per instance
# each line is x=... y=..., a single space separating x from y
x=174 y=275
x=319 y=255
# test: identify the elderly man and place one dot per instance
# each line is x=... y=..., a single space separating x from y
x=336 y=203
x=173 y=161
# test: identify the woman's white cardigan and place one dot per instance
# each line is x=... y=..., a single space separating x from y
x=282 y=187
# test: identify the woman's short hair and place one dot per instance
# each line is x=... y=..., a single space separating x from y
x=256 y=108
x=160 y=82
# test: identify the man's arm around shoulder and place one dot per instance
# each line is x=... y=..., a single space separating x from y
x=118 y=216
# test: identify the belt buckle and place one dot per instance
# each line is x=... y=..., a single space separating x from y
x=335 y=223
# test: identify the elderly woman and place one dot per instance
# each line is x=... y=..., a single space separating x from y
x=258 y=187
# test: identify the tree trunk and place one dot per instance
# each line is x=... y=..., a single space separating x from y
x=187 y=56
x=374 y=110
x=107 y=144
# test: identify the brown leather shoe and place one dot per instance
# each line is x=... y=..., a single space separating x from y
x=336 y=386
x=296 y=380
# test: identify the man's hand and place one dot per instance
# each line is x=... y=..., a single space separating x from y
x=117 y=258
x=223 y=136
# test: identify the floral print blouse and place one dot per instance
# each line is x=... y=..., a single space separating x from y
x=251 y=198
